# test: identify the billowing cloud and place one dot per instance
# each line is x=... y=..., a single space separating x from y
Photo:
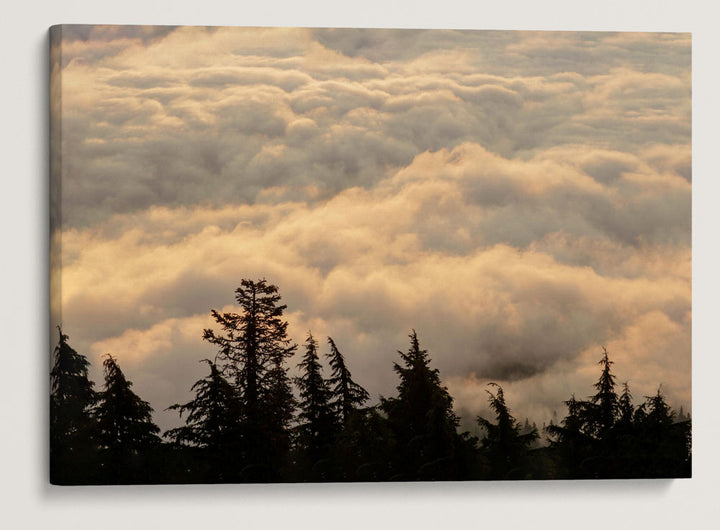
x=218 y=115
x=519 y=199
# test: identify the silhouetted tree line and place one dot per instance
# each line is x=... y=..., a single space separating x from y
x=246 y=424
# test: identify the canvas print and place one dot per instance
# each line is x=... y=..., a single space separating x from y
x=359 y=255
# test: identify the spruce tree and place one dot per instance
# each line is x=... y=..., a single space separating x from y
x=664 y=444
x=589 y=448
x=317 y=422
x=605 y=402
x=626 y=410
x=358 y=452
x=422 y=420
x=504 y=444
x=347 y=395
x=572 y=440
x=253 y=347
x=211 y=417
x=126 y=431
x=280 y=405
x=72 y=399
x=211 y=426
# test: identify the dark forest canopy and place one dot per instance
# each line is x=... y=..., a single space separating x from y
x=249 y=422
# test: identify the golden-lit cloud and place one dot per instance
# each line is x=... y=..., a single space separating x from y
x=520 y=199
x=368 y=265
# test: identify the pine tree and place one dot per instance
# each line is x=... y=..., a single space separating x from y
x=126 y=430
x=280 y=405
x=587 y=440
x=212 y=416
x=626 y=410
x=619 y=447
x=72 y=399
x=605 y=401
x=422 y=420
x=664 y=444
x=347 y=395
x=571 y=439
x=504 y=444
x=211 y=427
x=253 y=348
x=317 y=423
x=360 y=448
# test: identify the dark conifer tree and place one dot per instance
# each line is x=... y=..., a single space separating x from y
x=605 y=402
x=621 y=445
x=72 y=398
x=317 y=422
x=505 y=445
x=356 y=453
x=347 y=395
x=212 y=416
x=280 y=404
x=571 y=439
x=589 y=449
x=254 y=346
x=211 y=426
x=664 y=444
x=626 y=410
x=422 y=420
x=126 y=431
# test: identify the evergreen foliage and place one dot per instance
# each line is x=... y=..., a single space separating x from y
x=280 y=404
x=241 y=425
x=607 y=437
x=317 y=422
x=253 y=348
x=212 y=416
x=604 y=408
x=124 y=419
x=347 y=395
x=626 y=410
x=126 y=431
x=362 y=439
x=663 y=446
x=211 y=424
x=422 y=419
x=504 y=445
x=570 y=438
x=72 y=429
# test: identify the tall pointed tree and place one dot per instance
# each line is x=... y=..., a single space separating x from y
x=125 y=427
x=212 y=417
x=253 y=347
x=626 y=410
x=124 y=419
x=571 y=439
x=211 y=427
x=280 y=404
x=422 y=419
x=360 y=449
x=589 y=450
x=72 y=399
x=605 y=400
x=504 y=444
x=664 y=444
x=347 y=395
x=317 y=424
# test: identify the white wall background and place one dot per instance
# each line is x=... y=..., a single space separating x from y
x=26 y=499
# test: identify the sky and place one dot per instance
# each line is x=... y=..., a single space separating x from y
x=520 y=199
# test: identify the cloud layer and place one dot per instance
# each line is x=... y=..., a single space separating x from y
x=518 y=198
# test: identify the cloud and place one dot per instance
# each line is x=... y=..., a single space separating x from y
x=181 y=115
x=518 y=198
x=423 y=249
